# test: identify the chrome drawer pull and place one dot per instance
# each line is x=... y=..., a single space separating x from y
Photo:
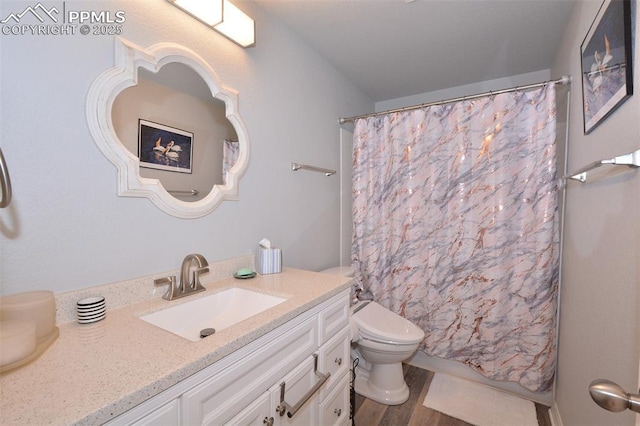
x=268 y=421
x=292 y=410
x=338 y=361
x=337 y=411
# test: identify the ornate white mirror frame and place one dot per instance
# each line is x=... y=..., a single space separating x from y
x=106 y=88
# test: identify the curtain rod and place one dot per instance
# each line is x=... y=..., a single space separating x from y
x=566 y=79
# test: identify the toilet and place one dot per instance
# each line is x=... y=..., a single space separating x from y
x=381 y=340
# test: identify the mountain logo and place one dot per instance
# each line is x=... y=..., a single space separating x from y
x=39 y=11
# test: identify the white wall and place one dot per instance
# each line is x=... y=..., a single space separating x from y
x=599 y=322
x=66 y=228
x=346 y=196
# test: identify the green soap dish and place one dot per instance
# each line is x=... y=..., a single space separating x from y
x=244 y=273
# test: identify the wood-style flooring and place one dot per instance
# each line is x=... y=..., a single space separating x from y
x=412 y=412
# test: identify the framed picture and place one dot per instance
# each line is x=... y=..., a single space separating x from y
x=607 y=77
x=164 y=148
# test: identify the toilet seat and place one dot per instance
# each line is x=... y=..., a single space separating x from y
x=378 y=324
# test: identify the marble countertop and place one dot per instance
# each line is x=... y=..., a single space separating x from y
x=94 y=372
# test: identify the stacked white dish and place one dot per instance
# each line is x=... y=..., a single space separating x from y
x=90 y=310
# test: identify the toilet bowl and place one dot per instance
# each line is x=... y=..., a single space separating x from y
x=383 y=340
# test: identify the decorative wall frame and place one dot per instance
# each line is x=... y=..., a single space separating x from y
x=607 y=75
x=164 y=148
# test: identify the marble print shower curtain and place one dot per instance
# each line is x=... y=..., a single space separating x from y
x=230 y=152
x=456 y=229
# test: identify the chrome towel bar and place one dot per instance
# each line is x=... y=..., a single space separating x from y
x=630 y=160
x=193 y=192
x=284 y=407
x=296 y=166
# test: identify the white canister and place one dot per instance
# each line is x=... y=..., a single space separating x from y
x=18 y=341
x=36 y=306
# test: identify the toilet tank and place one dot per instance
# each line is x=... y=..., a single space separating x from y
x=346 y=271
x=343 y=271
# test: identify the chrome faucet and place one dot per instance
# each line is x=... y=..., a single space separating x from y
x=192 y=286
x=187 y=286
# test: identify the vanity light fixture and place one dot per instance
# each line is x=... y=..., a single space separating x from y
x=222 y=16
x=236 y=25
x=209 y=11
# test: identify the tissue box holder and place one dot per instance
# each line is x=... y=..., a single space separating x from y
x=269 y=261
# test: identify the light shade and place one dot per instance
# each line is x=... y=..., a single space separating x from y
x=237 y=26
x=207 y=11
x=222 y=16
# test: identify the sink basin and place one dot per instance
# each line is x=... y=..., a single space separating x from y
x=218 y=311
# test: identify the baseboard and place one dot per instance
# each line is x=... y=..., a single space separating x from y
x=554 y=415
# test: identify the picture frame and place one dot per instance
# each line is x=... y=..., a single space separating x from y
x=606 y=52
x=163 y=147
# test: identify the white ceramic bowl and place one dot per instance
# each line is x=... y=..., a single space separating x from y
x=91 y=309
x=99 y=314
x=90 y=320
x=92 y=314
x=90 y=301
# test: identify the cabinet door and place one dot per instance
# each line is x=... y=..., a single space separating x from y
x=334 y=358
x=333 y=319
x=257 y=413
x=335 y=409
x=297 y=386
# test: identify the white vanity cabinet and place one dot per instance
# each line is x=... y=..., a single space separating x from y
x=310 y=351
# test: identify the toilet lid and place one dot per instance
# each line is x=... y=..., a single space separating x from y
x=380 y=324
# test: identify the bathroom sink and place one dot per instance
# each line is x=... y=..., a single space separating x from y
x=218 y=311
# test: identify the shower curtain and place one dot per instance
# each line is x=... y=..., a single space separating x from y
x=230 y=152
x=456 y=229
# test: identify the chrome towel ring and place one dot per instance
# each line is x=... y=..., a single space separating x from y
x=5 y=183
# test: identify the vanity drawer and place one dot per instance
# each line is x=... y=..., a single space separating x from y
x=333 y=319
x=219 y=398
x=334 y=358
x=335 y=409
